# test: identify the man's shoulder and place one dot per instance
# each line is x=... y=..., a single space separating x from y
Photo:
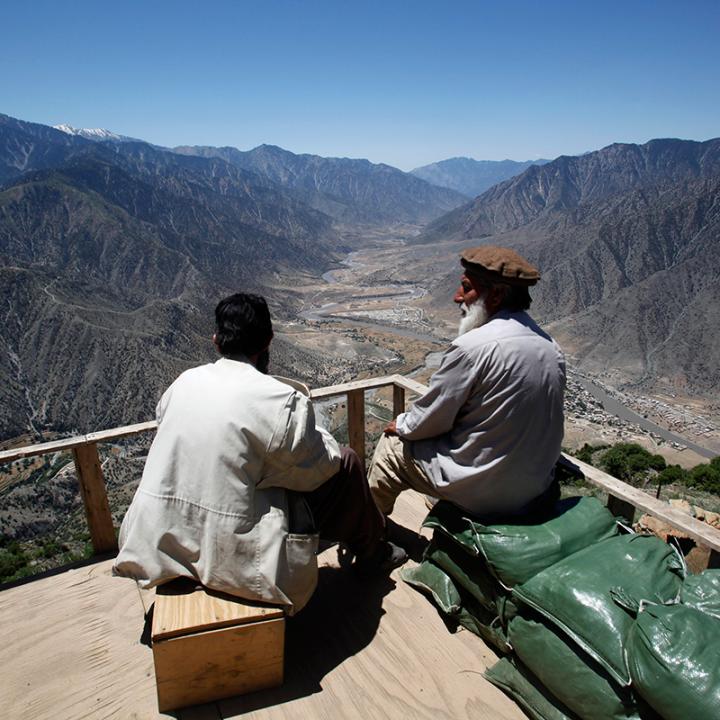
x=504 y=325
x=238 y=378
x=233 y=373
x=504 y=330
x=193 y=374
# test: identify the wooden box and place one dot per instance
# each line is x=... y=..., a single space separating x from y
x=208 y=646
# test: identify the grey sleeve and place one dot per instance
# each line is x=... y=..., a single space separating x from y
x=434 y=413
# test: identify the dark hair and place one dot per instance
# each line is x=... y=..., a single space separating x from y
x=517 y=297
x=242 y=325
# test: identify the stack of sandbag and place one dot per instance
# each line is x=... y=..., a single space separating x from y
x=554 y=593
x=470 y=567
x=673 y=651
x=573 y=620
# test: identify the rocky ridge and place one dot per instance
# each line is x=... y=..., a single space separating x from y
x=111 y=260
x=350 y=190
x=626 y=239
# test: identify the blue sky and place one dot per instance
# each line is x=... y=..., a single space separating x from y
x=405 y=83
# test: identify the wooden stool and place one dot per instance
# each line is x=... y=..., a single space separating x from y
x=207 y=645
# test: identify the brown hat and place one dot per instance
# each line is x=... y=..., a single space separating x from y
x=498 y=264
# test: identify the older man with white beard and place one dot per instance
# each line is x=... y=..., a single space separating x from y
x=487 y=433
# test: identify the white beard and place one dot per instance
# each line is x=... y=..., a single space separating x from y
x=473 y=316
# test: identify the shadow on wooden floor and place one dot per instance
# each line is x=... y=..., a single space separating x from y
x=340 y=620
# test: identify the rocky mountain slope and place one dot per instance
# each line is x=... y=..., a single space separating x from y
x=28 y=146
x=111 y=260
x=471 y=177
x=346 y=189
x=627 y=239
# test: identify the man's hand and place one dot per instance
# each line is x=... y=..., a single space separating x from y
x=391 y=428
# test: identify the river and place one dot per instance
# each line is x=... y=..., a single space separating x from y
x=615 y=407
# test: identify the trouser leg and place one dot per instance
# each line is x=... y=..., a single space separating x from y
x=343 y=509
x=393 y=469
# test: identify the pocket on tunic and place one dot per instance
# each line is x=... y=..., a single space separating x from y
x=301 y=567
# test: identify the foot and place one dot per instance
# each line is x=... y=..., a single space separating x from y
x=386 y=558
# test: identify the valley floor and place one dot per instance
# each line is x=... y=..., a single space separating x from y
x=381 y=310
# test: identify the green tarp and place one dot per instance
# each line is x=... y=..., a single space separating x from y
x=569 y=674
x=674 y=659
x=467 y=565
x=517 y=682
x=467 y=571
x=570 y=616
x=703 y=592
x=515 y=552
x=456 y=604
x=575 y=594
x=431 y=580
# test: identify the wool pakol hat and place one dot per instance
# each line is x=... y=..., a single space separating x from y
x=498 y=264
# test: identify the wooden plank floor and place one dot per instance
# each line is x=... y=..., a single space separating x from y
x=375 y=649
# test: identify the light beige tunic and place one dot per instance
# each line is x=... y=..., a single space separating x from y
x=212 y=503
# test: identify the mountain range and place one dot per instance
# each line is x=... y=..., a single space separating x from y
x=627 y=239
x=97 y=134
x=472 y=177
x=355 y=191
x=114 y=251
x=348 y=190
x=110 y=259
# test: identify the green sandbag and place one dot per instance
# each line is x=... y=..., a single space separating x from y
x=571 y=675
x=517 y=551
x=703 y=592
x=482 y=622
x=430 y=579
x=575 y=594
x=455 y=523
x=517 y=682
x=672 y=654
x=463 y=609
x=470 y=573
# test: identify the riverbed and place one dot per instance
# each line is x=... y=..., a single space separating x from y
x=407 y=292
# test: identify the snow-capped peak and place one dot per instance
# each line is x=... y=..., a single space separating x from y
x=97 y=134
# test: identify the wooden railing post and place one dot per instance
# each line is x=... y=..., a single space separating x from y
x=356 y=422
x=398 y=400
x=94 y=495
x=621 y=508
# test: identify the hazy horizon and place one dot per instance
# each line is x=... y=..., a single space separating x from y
x=406 y=84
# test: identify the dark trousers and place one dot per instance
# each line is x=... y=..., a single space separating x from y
x=343 y=510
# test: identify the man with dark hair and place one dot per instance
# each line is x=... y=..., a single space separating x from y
x=487 y=433
x=240 y=483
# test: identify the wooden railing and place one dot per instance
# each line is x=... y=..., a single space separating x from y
x=623 y=499
x=89 y=471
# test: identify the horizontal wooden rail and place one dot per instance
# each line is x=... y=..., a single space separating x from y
x=355 y=395
x=622 y=496
x=623 y=499
x=89 y=470
x=76 y=441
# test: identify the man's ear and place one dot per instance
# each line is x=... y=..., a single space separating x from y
x=215 y=342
